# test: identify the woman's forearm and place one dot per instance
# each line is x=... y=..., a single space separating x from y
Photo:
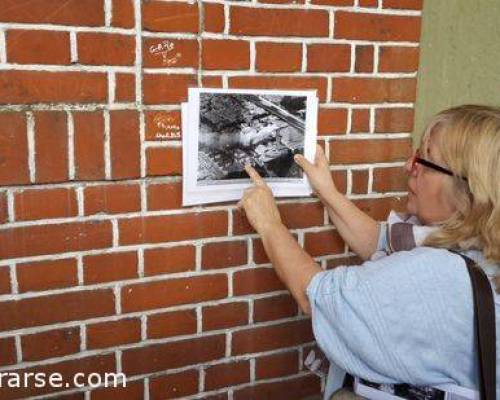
x=358 y=230
x=293 y=265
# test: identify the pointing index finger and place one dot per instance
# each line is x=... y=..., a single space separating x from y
x=254 y=175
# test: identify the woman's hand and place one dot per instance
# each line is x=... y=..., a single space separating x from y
x=259 y=205
x=319 y=174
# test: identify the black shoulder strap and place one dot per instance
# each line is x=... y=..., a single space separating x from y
x=484 y=316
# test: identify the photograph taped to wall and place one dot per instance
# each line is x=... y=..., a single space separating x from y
x=225 y=129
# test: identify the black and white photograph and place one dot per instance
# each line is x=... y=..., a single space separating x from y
x=225 y=129
x=265 y=131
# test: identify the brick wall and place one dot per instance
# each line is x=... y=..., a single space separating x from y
x=101 y=269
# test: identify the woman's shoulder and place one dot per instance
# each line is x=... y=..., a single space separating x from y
x=419 y=256
x=434 y=267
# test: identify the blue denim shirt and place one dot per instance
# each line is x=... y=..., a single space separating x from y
x=407 y=317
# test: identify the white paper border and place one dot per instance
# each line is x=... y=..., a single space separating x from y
x=194 y=194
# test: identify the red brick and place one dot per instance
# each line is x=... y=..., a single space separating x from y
x=112 y=199
x=368 y=3
x=45 y=203
x=228 y=374
x=323 y=243
x=281 y=82
x=180 y=227
x=163 y=125
x=360 y=181
x=397 y=120
x=218 y=396
x=125 y=87
x=398 y=59
x=224 y=254
x=162 y=53
x=360 y=120
x=278 y=57
x=125 y=144
x=377 y=27
x=278 y=22
x=274 y=308
x=259 y=253
x=171 y=386
x=164 y=161
x=347 y=261
x=123 y=14
x=364 y=59
x=172 y=324
x=254 y=340
x=73 y=12
x=226 y=54
x=403 y=4
x=214 y=20
x=38 y=47
x=51 y=146
x=159 y=294
x=165 y=196
x=105 y=49
x=170 y=17
x=293 y=215
x=165 y=356
x=45 y=275
x=332 y=121
x=7 y=351
x=282 y=1
x=28 y=87
x=133 y=391
x=392 y=179
x=333 y=2
x=169 y=260
x=256 y=280
x=98 y=364
x=13 y=149
x=223 y=316
x=212 y=82
x=298 y=216
x=379 y=208
x=369 y=151
x=113 y=333
x=374 y=90
x=54 y=238
x=4 y=214
x=109 y=267
x=49 y=344
x=4 y=280
x=276 y=365
x=72 y=396
x=46 y=310
x=89 y=145
x=290 y=389
x=328 y=58
x=166 y=89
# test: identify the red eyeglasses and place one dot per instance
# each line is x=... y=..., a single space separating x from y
x=417 y=160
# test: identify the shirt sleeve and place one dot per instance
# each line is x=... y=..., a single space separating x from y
x=369 y=319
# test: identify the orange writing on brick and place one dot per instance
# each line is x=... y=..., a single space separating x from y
x=164 y=49
x=167 y=127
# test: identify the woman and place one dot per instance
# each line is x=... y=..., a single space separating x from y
x=407 y=314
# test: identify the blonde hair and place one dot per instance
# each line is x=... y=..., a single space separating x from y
x=469 y=143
